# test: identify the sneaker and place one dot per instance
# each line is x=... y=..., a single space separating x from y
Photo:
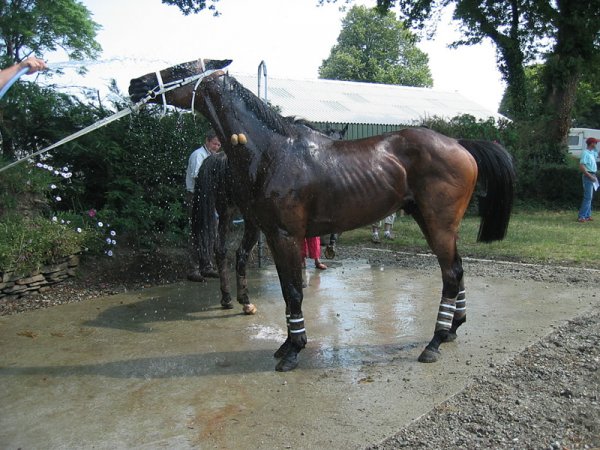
x=589 y=219
x=375 y=238
x=581 y=220
x=388 y=236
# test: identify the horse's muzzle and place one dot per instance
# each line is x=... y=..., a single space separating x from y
x=138 y=89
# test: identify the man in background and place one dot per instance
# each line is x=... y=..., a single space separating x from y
x=212 y=144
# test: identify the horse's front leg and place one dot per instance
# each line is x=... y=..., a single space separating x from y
x=249 y=240
x=287 y=255
x=447 y=320
x=221 y=258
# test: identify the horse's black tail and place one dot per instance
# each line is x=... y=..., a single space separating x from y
x=497 y=180
x=210 y=189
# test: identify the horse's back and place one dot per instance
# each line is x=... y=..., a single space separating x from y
x=370 y=178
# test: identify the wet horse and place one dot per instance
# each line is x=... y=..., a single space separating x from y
x=213 y=192
x=293 y=182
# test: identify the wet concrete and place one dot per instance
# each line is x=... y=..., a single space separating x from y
x=167 y=368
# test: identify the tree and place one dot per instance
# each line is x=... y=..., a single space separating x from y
x=576 y=46
x=376 y=48
x=192 y=6
x=500 y=21
x=30 y=27
x=564 y=33
x=586 y=113
x=586 y=109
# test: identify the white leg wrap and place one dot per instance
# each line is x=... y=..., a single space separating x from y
x=445 y=314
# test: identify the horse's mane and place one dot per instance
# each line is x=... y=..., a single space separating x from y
x=299 y=121
x=286 y=126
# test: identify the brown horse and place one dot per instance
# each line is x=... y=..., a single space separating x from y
x=292 y=182
x=213 y=192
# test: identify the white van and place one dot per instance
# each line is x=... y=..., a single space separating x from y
x=577 y=137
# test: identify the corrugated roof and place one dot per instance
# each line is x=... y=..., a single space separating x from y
x=351 y=102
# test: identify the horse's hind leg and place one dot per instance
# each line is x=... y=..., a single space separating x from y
x=445 y=325
x=442 y=241
x=249 y=240
x=460 y=313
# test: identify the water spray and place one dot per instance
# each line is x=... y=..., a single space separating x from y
x=159 y=90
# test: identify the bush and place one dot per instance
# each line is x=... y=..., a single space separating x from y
x=26 y=244
x=32 y=234
x=552 y=185
x=468 y=127
x=23 y=188
x=133 y=171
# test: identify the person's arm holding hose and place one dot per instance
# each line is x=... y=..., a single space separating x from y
x=32 y=64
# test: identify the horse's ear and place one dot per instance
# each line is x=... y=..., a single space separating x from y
x=216 y=64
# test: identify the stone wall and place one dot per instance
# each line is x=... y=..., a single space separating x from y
x=17 y=285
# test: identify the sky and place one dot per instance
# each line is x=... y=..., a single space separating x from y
x=292 y=37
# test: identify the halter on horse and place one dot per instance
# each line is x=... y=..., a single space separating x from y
x=292 y=182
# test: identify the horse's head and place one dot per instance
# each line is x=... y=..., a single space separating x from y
x=151 y=83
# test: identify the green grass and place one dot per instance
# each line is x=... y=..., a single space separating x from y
x=533 y=237
x=27 y=244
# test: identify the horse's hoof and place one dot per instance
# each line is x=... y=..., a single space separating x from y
x=287 y=363
x=249 y=309
x=329 y=252
x=429 y=356
x=226 y=305
x=451 y=337
x=283 y=350
x=196 y=277
x=210 y=273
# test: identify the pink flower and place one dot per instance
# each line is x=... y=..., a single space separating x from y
x=92 y=212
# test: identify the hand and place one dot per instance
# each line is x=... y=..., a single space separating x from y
x=34 y=64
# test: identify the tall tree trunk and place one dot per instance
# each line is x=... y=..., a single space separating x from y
x=577 y=25
x=561 y=92
x=512 y=68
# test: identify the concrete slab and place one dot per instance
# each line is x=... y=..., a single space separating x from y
x=167 y=368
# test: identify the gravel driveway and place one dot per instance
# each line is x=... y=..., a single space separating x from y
x=547 y=397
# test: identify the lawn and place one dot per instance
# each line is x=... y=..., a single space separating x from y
x=535 y=237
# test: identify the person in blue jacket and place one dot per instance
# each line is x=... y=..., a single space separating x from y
x=588 y=169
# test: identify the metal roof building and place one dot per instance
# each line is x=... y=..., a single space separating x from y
x=368 y=108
